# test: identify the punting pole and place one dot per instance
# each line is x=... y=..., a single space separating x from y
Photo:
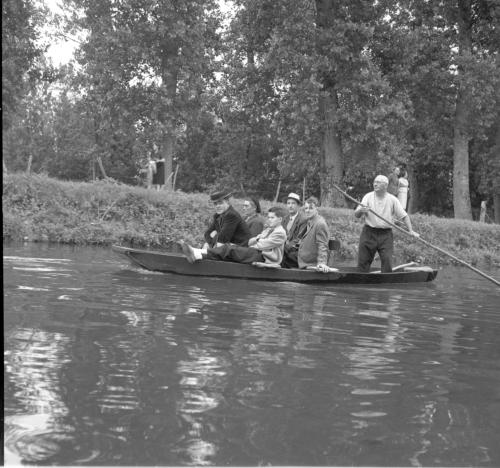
x=439 y=249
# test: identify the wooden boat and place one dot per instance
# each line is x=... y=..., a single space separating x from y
x=167 y=262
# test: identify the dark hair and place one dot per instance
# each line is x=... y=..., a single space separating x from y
x=313 y=201
x=256 y=203
x=277 y=210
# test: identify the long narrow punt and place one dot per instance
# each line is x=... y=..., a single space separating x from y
x=167 y=262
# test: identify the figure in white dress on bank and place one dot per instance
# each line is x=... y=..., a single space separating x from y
x=403 y=189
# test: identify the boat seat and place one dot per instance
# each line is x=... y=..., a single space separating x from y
x=333 y=246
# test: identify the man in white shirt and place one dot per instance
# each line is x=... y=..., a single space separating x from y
x=377 y=234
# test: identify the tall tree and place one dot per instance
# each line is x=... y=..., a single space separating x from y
x=475 y=22
x=21 y=22
x=145 y=66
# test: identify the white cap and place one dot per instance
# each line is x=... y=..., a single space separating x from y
x=295 y=197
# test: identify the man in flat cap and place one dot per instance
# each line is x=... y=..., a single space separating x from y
x=295 y=224
x=227 y=225
x=376 y=235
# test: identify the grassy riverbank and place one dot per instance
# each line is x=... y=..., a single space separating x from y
x=38 y=208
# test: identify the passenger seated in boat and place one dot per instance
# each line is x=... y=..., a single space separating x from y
x=313 y=246
x=227 y=224
x=266 y=247
x=295 y=225
x=252 y=214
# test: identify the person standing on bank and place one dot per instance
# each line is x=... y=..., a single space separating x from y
x=227 y=225
x=376 y=235
x=295 y=225
x=403 y=189
x=393 y=185
x=252 y=216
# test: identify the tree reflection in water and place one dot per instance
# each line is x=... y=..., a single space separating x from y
x=32 y=361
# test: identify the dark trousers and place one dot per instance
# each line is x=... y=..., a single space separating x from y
x=235 y=253
x=374 y=240
x=290 y=259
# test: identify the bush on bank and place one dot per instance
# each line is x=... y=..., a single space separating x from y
x=38 y=208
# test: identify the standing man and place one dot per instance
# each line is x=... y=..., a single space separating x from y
x=376 y=235
x=227 y=225
x=394 y=182
x=295 y=226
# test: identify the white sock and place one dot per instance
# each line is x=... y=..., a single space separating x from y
x=197 y=254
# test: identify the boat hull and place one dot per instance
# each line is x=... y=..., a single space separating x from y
x=167 y=262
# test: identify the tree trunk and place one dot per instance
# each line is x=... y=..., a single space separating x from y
x=461 y=192
x=413 y=194
x=168 y=154
x=30 y=160
x=496 y=207
x=97 y=139
x=482 y=214
x=101 y=167
x=277 y=191
x=175 y=177
x=332 y=159
x=169 y=73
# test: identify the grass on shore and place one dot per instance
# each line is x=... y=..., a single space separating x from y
x=39 y=208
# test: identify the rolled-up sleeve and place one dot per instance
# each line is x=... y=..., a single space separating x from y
x=322 y=238
x=398 y=210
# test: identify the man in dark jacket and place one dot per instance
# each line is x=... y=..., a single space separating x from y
x=393 y=186
x=227 y=225
x=295 y=226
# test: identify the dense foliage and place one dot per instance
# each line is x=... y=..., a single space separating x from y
x=264 y=96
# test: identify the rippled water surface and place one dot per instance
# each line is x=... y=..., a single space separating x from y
x=109 y=365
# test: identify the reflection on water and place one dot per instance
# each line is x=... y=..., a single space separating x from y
x=32 y=363
x=107 y=365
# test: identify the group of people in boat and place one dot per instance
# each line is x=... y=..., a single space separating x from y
x=297 y=237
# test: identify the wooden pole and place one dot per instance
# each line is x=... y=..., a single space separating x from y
x=493 y=280
x=277 y=191
x=28 y=169
x=482 y=215
x=101 y=167
x=175 y=177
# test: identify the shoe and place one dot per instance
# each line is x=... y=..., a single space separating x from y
x=188 y=251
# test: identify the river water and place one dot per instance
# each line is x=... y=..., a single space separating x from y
x=109 y=365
